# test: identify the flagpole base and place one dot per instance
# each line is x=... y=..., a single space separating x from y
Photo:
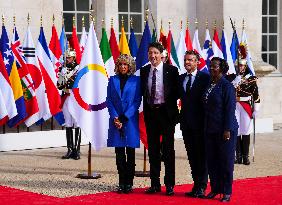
x=94 y=175
x=142 y=174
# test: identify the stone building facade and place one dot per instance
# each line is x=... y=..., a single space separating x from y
x=262 y=18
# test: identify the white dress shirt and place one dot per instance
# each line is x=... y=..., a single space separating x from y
x=194 y=73
x=159 y=96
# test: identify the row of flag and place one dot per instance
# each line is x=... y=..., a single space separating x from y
x=29 y=74
x=214 y=47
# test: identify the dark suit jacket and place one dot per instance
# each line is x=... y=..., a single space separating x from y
x=192 y=108
x=170 y=77
x=220 y=108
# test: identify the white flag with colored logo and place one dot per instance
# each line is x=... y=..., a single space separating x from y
x=88 y=98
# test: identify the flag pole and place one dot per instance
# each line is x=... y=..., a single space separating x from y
x=234 y=32
x=89 y=174
x=254 y=127
x=144 y=173
x=254 y=138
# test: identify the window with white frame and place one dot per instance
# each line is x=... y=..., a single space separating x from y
x=132 y=9
x=77 y=9
x=270 y=31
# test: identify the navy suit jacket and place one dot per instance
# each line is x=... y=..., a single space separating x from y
x=220 y=108
x=192 y=108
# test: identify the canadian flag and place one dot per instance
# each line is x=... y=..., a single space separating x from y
x=55 y=50
x=83 y=39
x=49 y=77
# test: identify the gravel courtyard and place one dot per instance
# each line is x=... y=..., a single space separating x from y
x=43 y=170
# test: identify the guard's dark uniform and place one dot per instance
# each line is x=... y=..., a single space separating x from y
x=66 y=80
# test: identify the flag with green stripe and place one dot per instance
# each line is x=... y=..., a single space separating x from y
x=107 y=54
x=172 y=55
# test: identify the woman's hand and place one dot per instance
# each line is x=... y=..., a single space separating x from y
x=117 y=123
x=226 y=135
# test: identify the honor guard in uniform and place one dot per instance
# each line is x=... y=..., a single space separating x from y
x=247 y=106
x=66 y=79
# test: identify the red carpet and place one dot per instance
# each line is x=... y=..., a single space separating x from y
x=256 y=191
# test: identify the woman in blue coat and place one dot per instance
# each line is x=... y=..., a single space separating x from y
x=123 y=101
x=220 y=129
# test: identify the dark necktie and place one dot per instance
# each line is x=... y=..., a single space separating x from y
x=188 y=85
x=153 y=88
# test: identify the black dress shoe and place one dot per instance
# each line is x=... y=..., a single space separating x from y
x=169 y=191
x=238 y=160
x=246 y=161
x=200 y=193
x=128 y=189
x=225 y=198
x=120 y=189
x=153 y=189
x=211 y=195
x=68 y=154
x=190 y=193
x=76 y=156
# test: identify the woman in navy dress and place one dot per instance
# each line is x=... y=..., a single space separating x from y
x=123 y=101
x=220 y=129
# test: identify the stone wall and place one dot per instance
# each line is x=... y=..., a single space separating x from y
x=175 y=11
x=270 y=89
x=21 y=8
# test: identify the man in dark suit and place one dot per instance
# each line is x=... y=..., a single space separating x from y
x=160 y=94
x=192 y=86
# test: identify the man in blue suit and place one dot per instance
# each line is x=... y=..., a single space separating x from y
x=192 y=87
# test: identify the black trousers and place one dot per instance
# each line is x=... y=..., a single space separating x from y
x=125 y=160
x=195 y=146
x=220 y=155
x=158 y=124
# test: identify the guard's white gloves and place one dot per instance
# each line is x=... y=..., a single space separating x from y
x=256 y=110
x=237 y=81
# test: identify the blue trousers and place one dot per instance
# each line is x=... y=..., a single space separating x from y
x=220 y=157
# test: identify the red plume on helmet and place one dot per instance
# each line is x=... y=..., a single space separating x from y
x=242 y=51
